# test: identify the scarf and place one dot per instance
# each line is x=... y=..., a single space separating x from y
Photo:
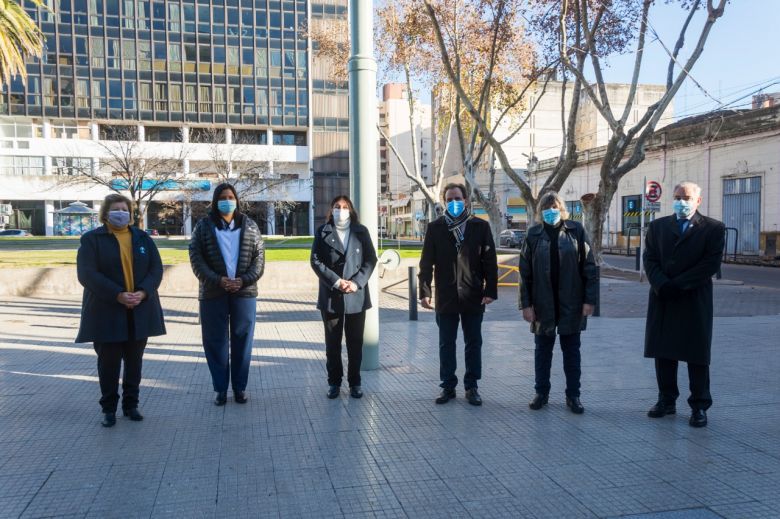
x=457 y=225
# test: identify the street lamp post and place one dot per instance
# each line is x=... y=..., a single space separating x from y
x=363 y=149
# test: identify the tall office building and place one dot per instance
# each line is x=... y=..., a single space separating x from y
x=205 y=82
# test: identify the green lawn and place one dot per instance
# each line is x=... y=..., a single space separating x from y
x=170 y=256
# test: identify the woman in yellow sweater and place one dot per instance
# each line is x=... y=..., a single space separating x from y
x=120 y=269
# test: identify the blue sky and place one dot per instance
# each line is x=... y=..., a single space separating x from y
x=741 y=55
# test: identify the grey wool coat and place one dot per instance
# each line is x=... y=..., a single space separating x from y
x=331 y=261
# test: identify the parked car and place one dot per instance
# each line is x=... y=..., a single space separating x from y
x=511 y=238
x=152 y=232
x=15 y=233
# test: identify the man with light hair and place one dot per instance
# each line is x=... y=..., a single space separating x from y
x=683 y=251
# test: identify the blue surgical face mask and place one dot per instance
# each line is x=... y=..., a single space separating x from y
x=455 y=207
x=226 y=206
x=551 y=216
x=682 y=208
x=119 y=218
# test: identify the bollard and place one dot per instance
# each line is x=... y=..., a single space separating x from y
x=597 y=310
x=412 y=293
x=638 y=259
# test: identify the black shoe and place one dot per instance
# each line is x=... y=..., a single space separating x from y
x=240 y=397
x=355 y=392
x=698 y=418
x=472 y=396
x=538 y=402
x=221 y=398
x=660 y=409
x=133 y=414
x=445 y=396
x=333 y=392
x=575 y=405
x=109 y=420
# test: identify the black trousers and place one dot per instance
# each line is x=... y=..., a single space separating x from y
x=698 y=378
x=336 y=327
x=109 y=364
x=472 y=336
x=543 y=355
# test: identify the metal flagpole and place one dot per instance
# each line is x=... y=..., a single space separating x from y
x=363 y=150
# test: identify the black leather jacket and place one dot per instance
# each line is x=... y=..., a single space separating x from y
x=578 y=278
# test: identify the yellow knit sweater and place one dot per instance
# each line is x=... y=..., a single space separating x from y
x=125 y=239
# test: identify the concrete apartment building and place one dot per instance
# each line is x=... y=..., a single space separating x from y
x=168 y=73
x=402 y=207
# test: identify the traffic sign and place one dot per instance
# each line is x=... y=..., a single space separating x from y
x=653 y=207
x=653 y=191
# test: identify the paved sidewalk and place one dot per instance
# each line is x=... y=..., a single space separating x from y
x=290 y=452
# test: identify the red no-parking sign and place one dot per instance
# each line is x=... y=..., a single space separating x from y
x=653 y=191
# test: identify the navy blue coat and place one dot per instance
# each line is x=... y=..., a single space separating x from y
x=99 y=267
x=331 y=262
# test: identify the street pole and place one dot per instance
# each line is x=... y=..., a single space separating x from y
x=642 y=229
x=363 y=150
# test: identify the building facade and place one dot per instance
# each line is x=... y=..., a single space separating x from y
x=732 y=155
x=218 y=86
x=403 y=211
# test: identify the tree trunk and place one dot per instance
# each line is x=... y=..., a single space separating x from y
x=594 y=213
x=495 y=219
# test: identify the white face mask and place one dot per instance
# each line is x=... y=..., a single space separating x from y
x=340 y=216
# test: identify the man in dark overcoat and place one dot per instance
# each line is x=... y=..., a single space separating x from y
x=460 y=254
x=683 y=252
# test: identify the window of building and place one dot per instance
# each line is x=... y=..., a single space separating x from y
x=205 y=99
x=128 y=54
x=162 y=134
x=174 y=17
x=290 y=138
x=97 y=51
x=109 y=132
x=174 y=57
x=250 y=137
x=145 y=96
x=174 y=92
x=207 y=135
x=21 y=166
x=161 y=97
x=219 y=100
x=190 y=98
x=70 y=166
x=50 y=91
x=112 y=54
x=145 y=55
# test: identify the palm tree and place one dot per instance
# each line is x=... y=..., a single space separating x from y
x=19 y=37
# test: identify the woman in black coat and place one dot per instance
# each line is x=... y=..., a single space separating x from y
x=227 y=257
x=120 y=269
x=343 y=257
x=559 y=289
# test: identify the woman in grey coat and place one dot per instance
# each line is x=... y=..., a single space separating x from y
x=559 y=289
x=343 y=257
